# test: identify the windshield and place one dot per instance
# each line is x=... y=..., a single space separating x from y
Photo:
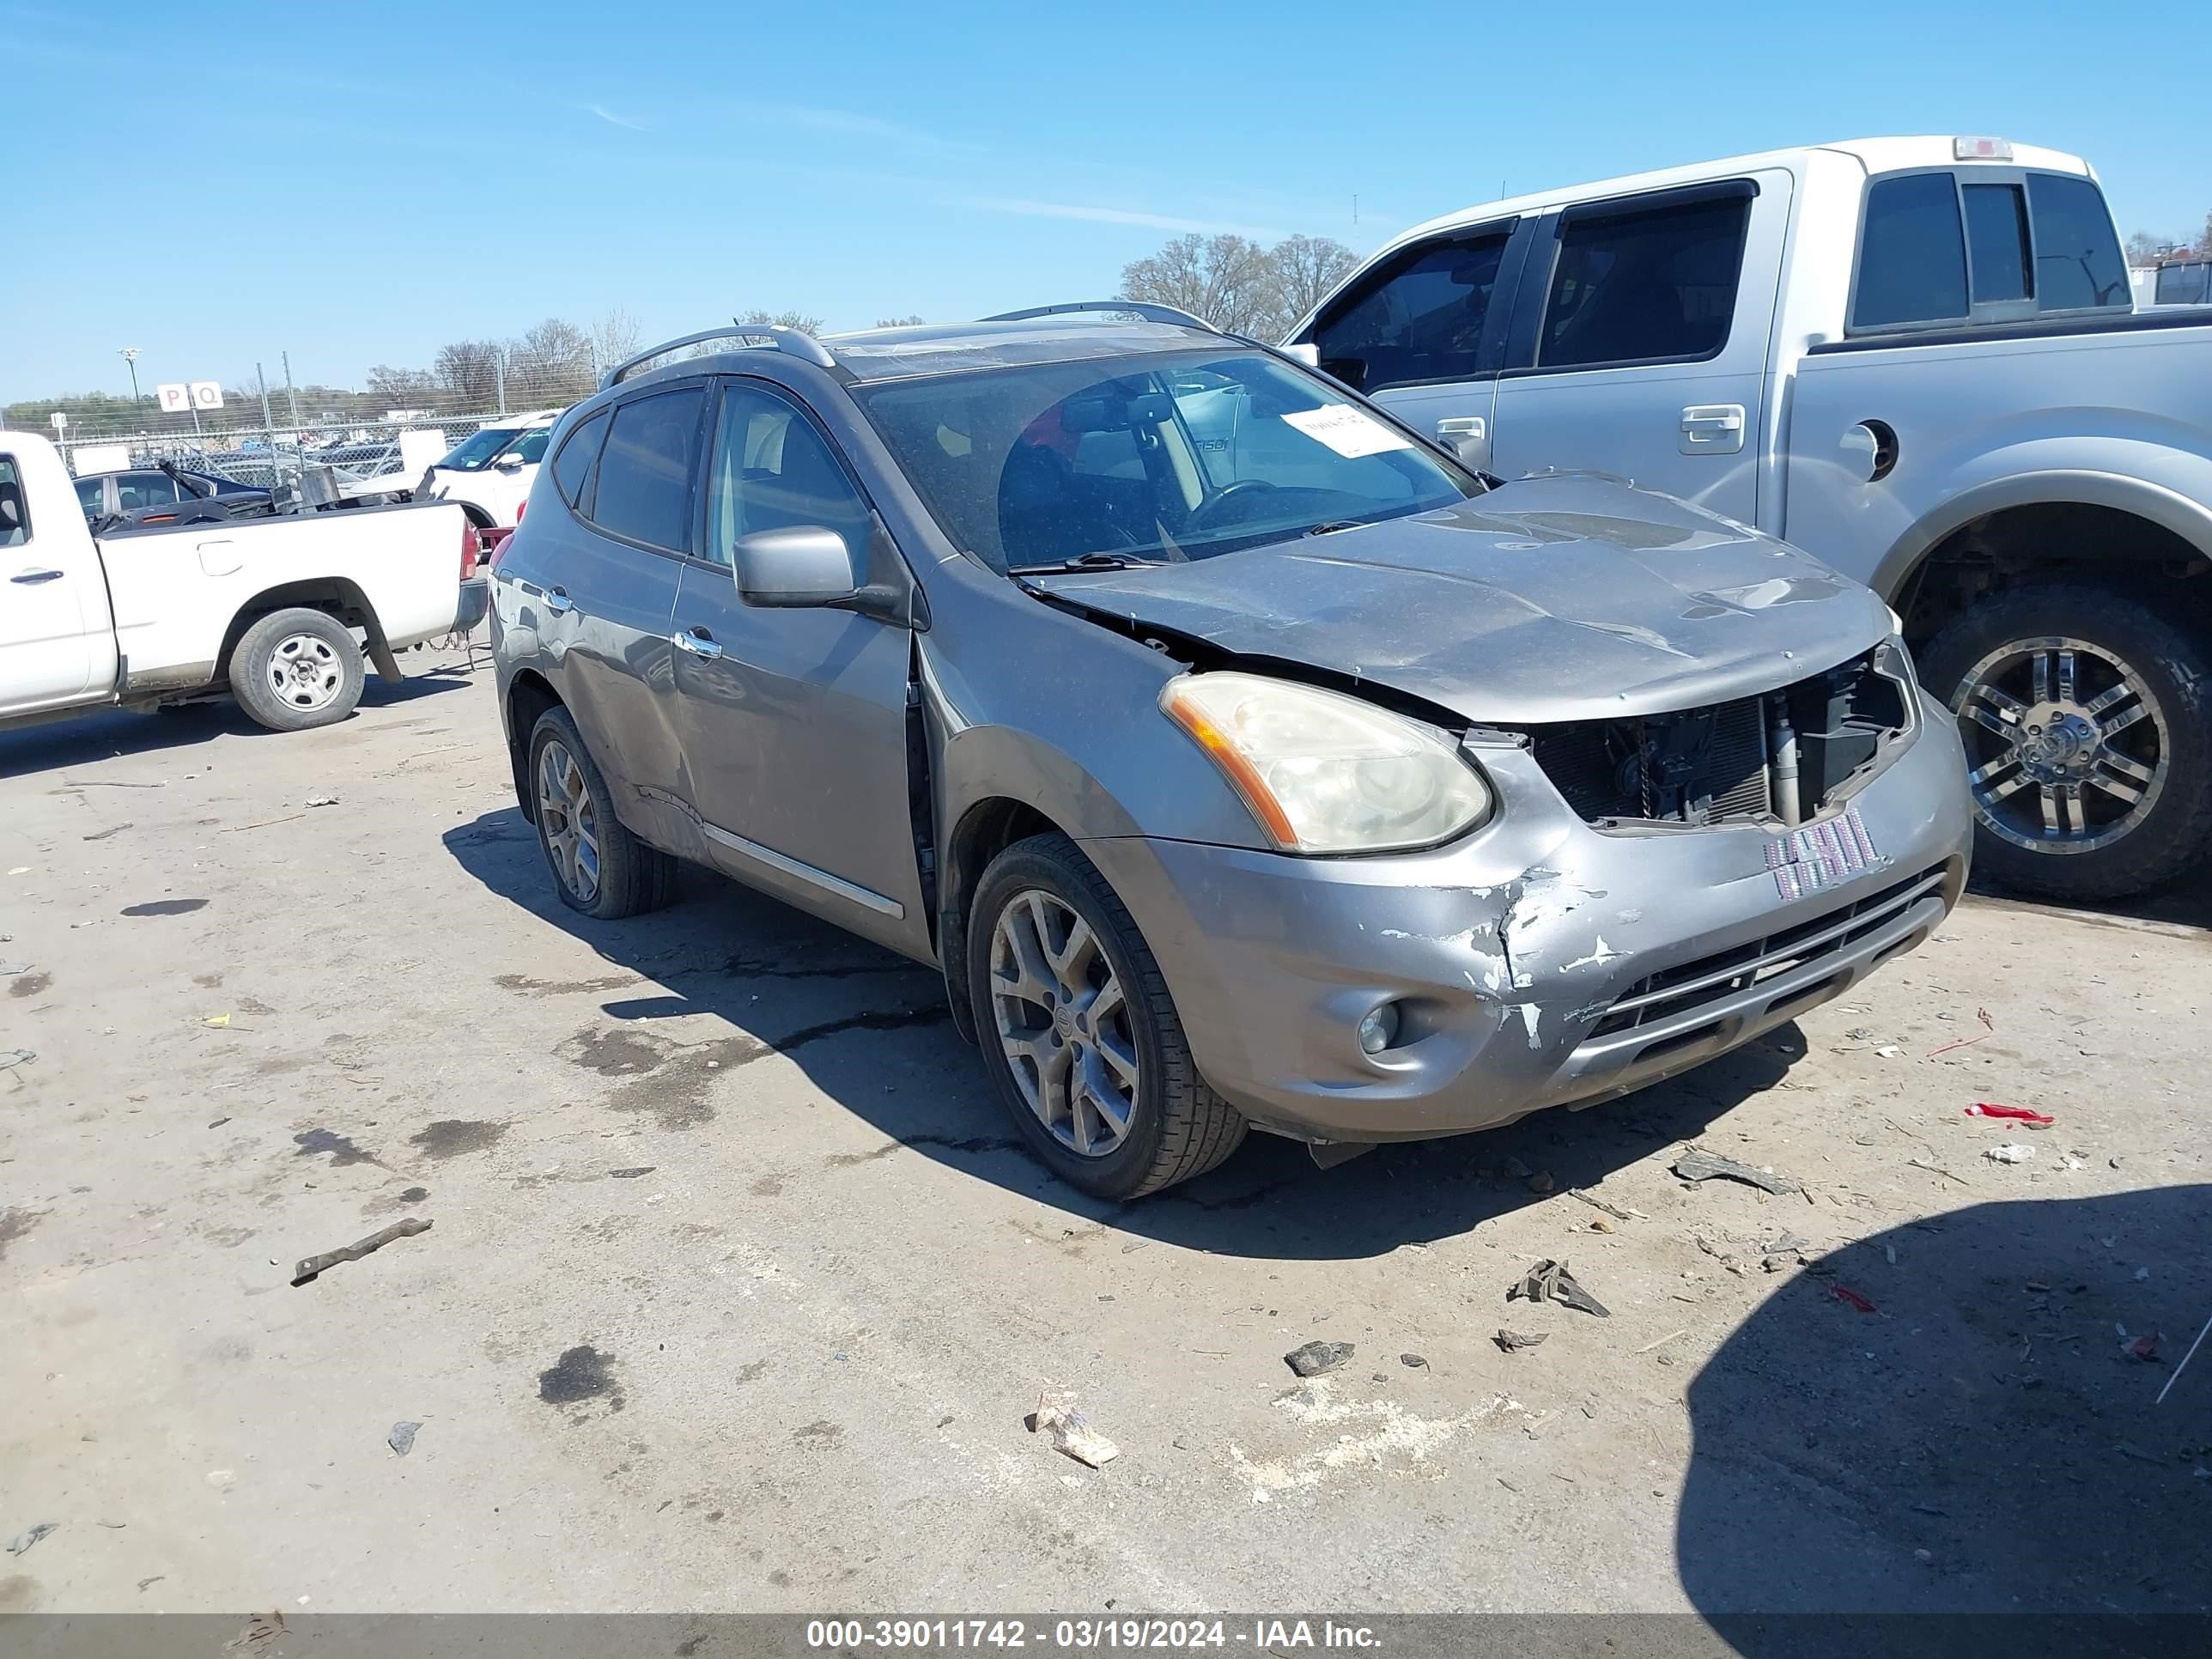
x=1191 y=455
x=474 y=454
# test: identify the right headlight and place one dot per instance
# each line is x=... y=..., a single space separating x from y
x=1325 y=772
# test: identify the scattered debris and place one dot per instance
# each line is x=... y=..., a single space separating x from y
x=320 y=801
x=1695 y=1165
x=260 y=825
x=1514 y=1342
x=1516 y=1171
x=1071 y=1433
x=2013 y=1114
x=1956 y=1042
x=2010 y=1152
x=15 y=1057
x=1850 y=1298
x=217 y=1020
x=111 y=829
x=1317 y=1359
x=402 y=1437
x=1614 y=1210
x=261 y=1629
x=1551 y=1281
x=1889 y=1051
x=1937 y=1168
x=9 y=970
x=2143 y=1348
x=316 y=1264
x=30 y=1536
x=1662 y=1341
x=1540 y=1182
x=1412 y=1362
x=2128 y=1449
x=1929 y=1508
x=218 y=1123
x=1600 y=1225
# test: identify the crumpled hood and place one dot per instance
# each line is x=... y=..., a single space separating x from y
x=1564 y=596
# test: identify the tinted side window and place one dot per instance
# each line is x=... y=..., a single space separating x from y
x=14 y=513
x=1418 y=317
x=1996 y=242
x=773 y=470
x=531 y=446
x=1655 y=284
x=1912 y=256
x=574 y=464
x=644 y=489
x=135 y=489
x=2077 y=252
x=2183 y=284
x=91 y=493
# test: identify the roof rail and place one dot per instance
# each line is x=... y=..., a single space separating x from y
x=803 y=346
x=1143 y=308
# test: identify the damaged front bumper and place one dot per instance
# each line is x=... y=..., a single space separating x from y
x=1540 y=962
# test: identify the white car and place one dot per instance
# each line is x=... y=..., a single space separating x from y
x=279 y=610
x=1915 y=358
x=488 y=476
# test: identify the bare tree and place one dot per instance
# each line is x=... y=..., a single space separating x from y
x=468 y=372
x=402 y=388
x=550 y=363
x=804 y=323
x=2144 y=248
x=1306 y=269
x=915 y=321
x=614 y=339
x=1227 y=280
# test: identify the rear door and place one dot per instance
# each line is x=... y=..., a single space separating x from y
x=55 y=646
x=793 y=722
x=1638 y=342
x=600 y=583
x=1418 y=332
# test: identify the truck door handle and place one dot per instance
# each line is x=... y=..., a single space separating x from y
x=1467 y=436
x=558 y=602
x=698 y=642
x=32 y=577
x=1715 y=428
x=1462 y=426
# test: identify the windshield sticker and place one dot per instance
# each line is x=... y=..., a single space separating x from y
x=1350 y=432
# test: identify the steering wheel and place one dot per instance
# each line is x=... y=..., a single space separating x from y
x=1242 y=489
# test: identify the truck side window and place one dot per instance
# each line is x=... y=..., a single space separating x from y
x=1912 y=254
x=1636 y=286
x=573 y=462
x=1416 y=318
x=1996 y=242
x=91 y=495
x=15 y=513
x=772 y=470
x=2077 y=252
x=644 y=491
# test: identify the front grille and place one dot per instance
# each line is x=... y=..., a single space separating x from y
x=1778 y=756
x=1715 y=978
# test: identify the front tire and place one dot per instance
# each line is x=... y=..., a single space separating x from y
x=296 y=669
x=1079 y=1032
x=2087 y=722
x=599 y=867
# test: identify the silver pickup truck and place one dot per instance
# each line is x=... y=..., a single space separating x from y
x=1915 y=357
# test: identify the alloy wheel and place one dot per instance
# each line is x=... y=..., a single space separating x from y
x=569 y=821
x=1064 y=1023
x=2066 y=743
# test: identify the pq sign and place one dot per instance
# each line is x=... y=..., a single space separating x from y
x=207 y=394
x=176 y=398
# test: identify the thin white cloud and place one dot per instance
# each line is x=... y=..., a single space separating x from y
x=614 y=120
x=1107 y=216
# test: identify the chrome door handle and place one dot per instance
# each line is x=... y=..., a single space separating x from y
x=558 y=602
x=697 y=644
x=1718 y=427
x=32 y=577
x=1463 y=426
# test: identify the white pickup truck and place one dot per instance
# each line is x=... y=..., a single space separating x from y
x=280 y=610
x=1917 y=358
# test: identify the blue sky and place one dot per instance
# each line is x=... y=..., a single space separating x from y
x=184 y=185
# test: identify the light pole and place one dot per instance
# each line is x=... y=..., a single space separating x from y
x=129 y=354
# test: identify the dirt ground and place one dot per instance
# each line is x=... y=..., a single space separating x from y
x=739 y=1288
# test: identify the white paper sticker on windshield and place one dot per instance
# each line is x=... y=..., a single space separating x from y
x=1350 y=432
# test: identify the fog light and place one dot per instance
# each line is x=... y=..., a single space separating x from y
x=1380 y=1029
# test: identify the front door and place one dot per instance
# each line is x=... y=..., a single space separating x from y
x=1640 y=339
x=47 y=639
x=793 y=722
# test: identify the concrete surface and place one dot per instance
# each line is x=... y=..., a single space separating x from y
x=739 y=1289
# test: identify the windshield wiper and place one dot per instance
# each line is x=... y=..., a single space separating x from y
x=1085 y=562
x=1329 y=526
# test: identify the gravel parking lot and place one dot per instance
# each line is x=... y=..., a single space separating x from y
x=740 y=1289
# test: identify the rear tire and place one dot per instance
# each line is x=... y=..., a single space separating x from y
x=2088 y=721
x=599 y=867
x=1078 y=1031
x=296 y=669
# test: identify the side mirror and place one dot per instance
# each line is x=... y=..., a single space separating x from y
x=510 y=462
x=804 y=565
x=1306 y=352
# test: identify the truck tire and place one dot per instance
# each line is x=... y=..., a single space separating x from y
x=2088 y=720
x=296 y=669
x=1079 y=1032
x=599 y=867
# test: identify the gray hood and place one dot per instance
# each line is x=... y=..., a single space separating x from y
x=1566 y=597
